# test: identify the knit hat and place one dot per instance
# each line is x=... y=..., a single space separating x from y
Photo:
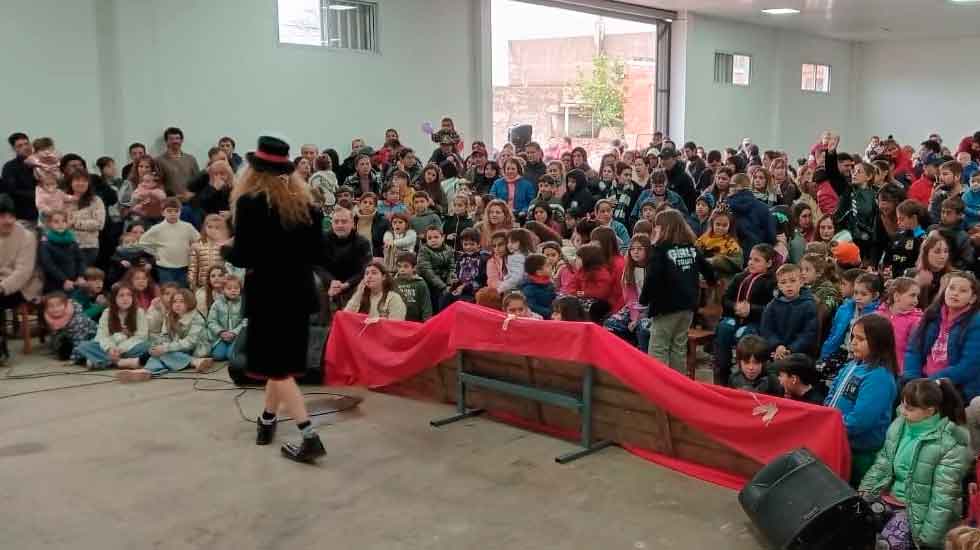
x=847 y=254
x=708 y=199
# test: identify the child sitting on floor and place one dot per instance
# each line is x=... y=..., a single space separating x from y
x=799 y=379
x=182 y=343
x=206 y=295
x=129 y=254
x=144 y=289
x=515 y=305
x=68 y=324
x=158 y=309
x=752 y=355
x=122 y=336
x=414 y=291
x=226 y=319
x=89 y=294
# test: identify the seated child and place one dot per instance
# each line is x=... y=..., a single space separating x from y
x=226 y=319
x=519 y=245
x=144 y=288
x=903 y=251
x=172 y=241
x=538 y=289
x=752 y=354
x=971 y=202
x=59 y=255
x=489 y=298
x=514 y=304
x=392 y=203
x=401 y=238
x=459 y=221
x=569 y=308
x=424 y=217
x=89 y=294
x=129 y=254
x=799 y=379
x=471 y=267
x=67 y=323
x=183 y=342
x=819 y=275
x=158 y=309
x=497 y=262
x=206 y=295
x=867 y=289
x=951 y=228
x=122 y=337
x=435 y=264
x=414 y=291
x=789 y=322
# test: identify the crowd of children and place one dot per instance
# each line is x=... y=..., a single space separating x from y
x=841 y=280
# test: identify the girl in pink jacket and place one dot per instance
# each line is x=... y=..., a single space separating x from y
x=901 y=308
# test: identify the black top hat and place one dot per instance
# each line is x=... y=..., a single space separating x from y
x=271 y=155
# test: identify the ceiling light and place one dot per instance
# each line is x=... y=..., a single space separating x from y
x=341 y=7
x=964 y=1
x=786 y=11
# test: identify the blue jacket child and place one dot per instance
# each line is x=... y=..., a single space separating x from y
x=962 y=349
x=842 y=325
x=540 y=292
x=865 y=395
x=791 y=322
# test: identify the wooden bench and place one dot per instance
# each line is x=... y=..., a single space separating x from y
x=697 y=337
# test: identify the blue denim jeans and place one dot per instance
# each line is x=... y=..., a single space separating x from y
x=223 y=351
x=97 y=357
x=172 y=361
x=172 y=275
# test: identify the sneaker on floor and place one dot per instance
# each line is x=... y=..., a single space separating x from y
x=133 y=376
x=307 y=452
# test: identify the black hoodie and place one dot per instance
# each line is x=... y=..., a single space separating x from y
x=581 y=198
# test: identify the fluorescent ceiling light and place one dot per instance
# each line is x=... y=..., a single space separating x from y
x=341 y=7
x=964 y=1
x=786 y=11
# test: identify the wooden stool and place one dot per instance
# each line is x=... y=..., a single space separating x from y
x=696 y=337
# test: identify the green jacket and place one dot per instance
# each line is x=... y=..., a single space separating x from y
x=415 y=293
x=190 y=336
x=225 y=315
x=939 y=461
x=436 y=266
x=827 y=293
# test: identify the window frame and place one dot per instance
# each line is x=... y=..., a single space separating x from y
x=729 y=76
x=816 y=67
x=325 y=43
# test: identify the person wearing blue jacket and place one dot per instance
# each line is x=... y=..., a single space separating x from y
x=513 y=188
x=538 y=289
x=947 y=342
x=754 y=223
x=864 y=391
x=658 y=193
x=789 y=322
x=867 y=290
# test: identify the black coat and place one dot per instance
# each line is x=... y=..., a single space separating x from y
x=280 y=289
x=680 y=182
x=17 y=180
x=345 y=258
x=760 y=293
x=379 y=227
x=60 y=263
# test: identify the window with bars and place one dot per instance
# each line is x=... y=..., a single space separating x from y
x=732 y=68
x=815 y=78
x=342 y=24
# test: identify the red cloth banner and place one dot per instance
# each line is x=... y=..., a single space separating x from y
x=379 y=353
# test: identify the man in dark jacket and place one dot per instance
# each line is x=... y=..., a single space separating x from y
x=534 y=168
x=17 y=179
x=347 y=254
x=678 y=179
x=789 y=322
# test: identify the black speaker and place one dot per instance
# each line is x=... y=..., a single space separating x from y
x=798 y=503
x=520 y=136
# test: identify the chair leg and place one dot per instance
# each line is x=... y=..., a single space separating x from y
x=25 y=327
x=692 y=358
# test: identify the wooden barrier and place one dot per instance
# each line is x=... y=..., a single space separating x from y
x=619 y=413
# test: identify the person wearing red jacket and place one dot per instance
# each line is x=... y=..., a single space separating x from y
x=921 y=189
x=594 y=279
x=971 y=144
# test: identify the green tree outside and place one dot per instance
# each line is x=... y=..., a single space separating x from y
x=604 y=92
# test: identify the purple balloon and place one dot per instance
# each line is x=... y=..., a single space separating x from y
x=427 y=128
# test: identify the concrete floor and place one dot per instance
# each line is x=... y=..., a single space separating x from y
x=159 y=465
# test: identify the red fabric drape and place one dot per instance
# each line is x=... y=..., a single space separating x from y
x=381 y=353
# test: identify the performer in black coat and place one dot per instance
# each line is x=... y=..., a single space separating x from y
x=278 y=240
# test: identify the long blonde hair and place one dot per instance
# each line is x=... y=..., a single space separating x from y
x=288 y=194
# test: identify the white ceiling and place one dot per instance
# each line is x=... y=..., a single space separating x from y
x=856 y=20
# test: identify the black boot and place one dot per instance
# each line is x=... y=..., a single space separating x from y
x=265 y=433
x=308 y=451
x=4 y=352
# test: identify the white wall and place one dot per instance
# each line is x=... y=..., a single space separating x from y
x=104 y=73
x=912 y=88
x=772 y=110
x=50 y=85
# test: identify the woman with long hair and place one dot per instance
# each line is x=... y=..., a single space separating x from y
x=279 y=240
x=497 y=217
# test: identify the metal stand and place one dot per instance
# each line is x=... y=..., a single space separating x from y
x=582 y=404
